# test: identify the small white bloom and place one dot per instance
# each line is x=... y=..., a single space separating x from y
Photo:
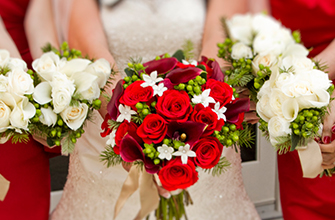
x=184 y=152
x=159 y=90
x=203 y=98
x=165 y=152
x=111 y=140
x=219 y=111
x=126 y=113
x=192 y=62
x=151 y=80
x=240 y=50
x=48 y=117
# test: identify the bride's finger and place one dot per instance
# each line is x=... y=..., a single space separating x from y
x=126 y=166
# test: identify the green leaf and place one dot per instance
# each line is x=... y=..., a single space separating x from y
x=109 y=157
x=202 y=67
x=294 y=140
x=67 y=145
x=220 y=167
x=19 y=138
x=50 y=142
x=129 y=72
x=179 y=55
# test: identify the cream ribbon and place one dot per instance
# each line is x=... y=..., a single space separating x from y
x=310 y=159
x=148 y=192
x=4 y=186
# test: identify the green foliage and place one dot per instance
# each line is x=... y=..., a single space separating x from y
x=4 y=70
x=247 y=136
x=113 y=124
x=137 y=119
x=19 y=138
x=220 y=167
x=67 y=145
x=179 y=55
x=188 y=50
x=110 y=158
x=283 y=144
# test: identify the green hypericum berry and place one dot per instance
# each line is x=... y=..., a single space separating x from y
x=234 y=64
x=314 y=118
x=60 y=122
x=151 y=155
x=35 y=119
x=38 y=112
x=249 y=61
x=198 y=78
x=257 y=85
x=153 y=104
x=261 y=66
x=37 y=105
x=197 y=90
x=167 y=55
x=139 y=106
x=97 y=102
x=125 y=86
x=166 y=141
x=134 y=77
x=130 y=65
x=216 y=133
x=191 y=82
x=203 y=81
x=225 y=129
x=221 y=138
x=295 y=126
x=189 y=88
x=304 y=134
x=248 y=67
x=157 y=58
x=301 y=118
x=66 y=53
x=309 y=125
x=53 y=133
x=227 y=41
x=145 y=112
x=259 y=73
x=229 y=142
x=316 y=129
x=296 y=131
x=57 y=143
x=236 y=95
x=181 y=86
x=147 y=150
x=30 y=72
x=232 y=127
x=235 y=138
x=59 y=133
x=126 y=79
x=157 y=161
x=74 y=140
x=78 y=135
x=228 y=72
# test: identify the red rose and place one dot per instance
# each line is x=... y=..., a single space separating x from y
x=174 y=105
x=238 y=124
x=176 y=175
x=207 y=116
x=153 y=129
x=124 y=128
x=135 y=93
x=105 y=127
x=208 y=151
x=220 y=91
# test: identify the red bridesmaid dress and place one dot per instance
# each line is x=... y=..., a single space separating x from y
x=303 y=198
x=26 y=166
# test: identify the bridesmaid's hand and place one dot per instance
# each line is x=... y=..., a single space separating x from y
x=328 y=155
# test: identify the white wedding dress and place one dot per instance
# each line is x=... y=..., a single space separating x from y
x=147 y=28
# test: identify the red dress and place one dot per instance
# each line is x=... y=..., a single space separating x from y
x=26 y=166
x=303 y=198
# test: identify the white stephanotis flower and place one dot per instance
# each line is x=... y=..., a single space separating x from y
x=203 y=98
x=111 y=140
x=184 y=152
x=165 y=152
x=159 y=89
x=192 y=62
x=126 y=113
x=219 y=111
x=48 y=117
x=151 y=80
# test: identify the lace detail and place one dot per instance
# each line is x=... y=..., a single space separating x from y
x=147 y=28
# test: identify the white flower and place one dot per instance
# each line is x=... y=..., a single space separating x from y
x=296 y=50
x=240 y=28
x=276 y=101
x=318 y=79
x=47 y=64
x=48 y=117
x=151 y=80
x=4 y=57
x=3 y=83
x=184 y=152
x=219 y=111
x=278 y=127
x=165 y=152
x=73 y=66
x=21 y=114
x=192 y=62
x=42 y=93
x=269 y=60
x=126 y=113
x=283 y=79
x=20 y=83
x=102 y=69
x=203 y=98
x=87 y=85
x=62 y=91
x=290 y=109
x=263 y=109
x=74 y=116
x=17 y=63
x=300 y=64
x=261 y=22
x=240 y=50
x=111 y=140
x=4 y=116
x=159 y=89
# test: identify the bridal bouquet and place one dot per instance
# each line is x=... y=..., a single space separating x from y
x=66 y=92
x=173 y=117
x=292 y=91
x=16 y=86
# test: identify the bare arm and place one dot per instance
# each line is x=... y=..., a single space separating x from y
x=86 y=34
x=39 y=26
x=6 y=41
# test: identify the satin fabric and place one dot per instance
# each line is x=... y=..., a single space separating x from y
x=304 y=198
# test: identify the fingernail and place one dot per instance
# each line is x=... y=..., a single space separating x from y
x=326 y=139
x=333 y=129
x=166 y=195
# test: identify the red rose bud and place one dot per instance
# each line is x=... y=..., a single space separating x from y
x=153 y=129
x=207 y=116
x=174 y=105
x=136 y=93
x=220 y=91
x=208 y=151
x=176 y=175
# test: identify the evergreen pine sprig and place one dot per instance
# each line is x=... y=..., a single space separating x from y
x=247 y=136
x=17 y=137
x=109 y=157
x=188 y=50
x=220 y=167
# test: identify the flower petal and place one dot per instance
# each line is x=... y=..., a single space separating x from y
x=75 y=65
x=42 y=93
x=161 y=66
x=180 y=75
x=290 y=109
x=235 y=108
x=113 y=104
x=193 y=130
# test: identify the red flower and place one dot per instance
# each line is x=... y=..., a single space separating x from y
x=208 y=151
x=176 y=175
x=174 y=105
x=105 y=127
x=183 y=66
x=136 y=93
x=220 y=91
x=238 y=124
x=124 y=128
x=153 y=129
x=207 y=116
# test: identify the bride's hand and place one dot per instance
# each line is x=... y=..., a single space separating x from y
x=250 y=116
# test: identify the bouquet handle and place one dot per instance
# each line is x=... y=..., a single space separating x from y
x=310 y=159
x=4 y=187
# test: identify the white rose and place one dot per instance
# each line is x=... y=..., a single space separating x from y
x=62 y=91
x=275 y=41
x=20 y=83
x=21 y=114
x=261 y=22
x=17 y=63
x=48 y=117
x=263 y=109
x=240 y=50
x=240 y=28
x=4 y=116
x=4 y=57
x=87 y=86
x=319 y=79
x=284 y=78
x=296 y=50
x=74 y=65
x=47 y=64
x=300 y=64
x=75 y=116
x=278 y=127
x=276 y=101
x=102 y=69
x=3 y=83
x=269 y=60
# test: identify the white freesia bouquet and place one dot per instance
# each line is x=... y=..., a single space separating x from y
x=67 y=91
x=16 y=85
x=292 y=91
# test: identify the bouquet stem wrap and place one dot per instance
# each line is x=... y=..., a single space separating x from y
x=148 y=192
x=310 y=159
x=4 y=187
